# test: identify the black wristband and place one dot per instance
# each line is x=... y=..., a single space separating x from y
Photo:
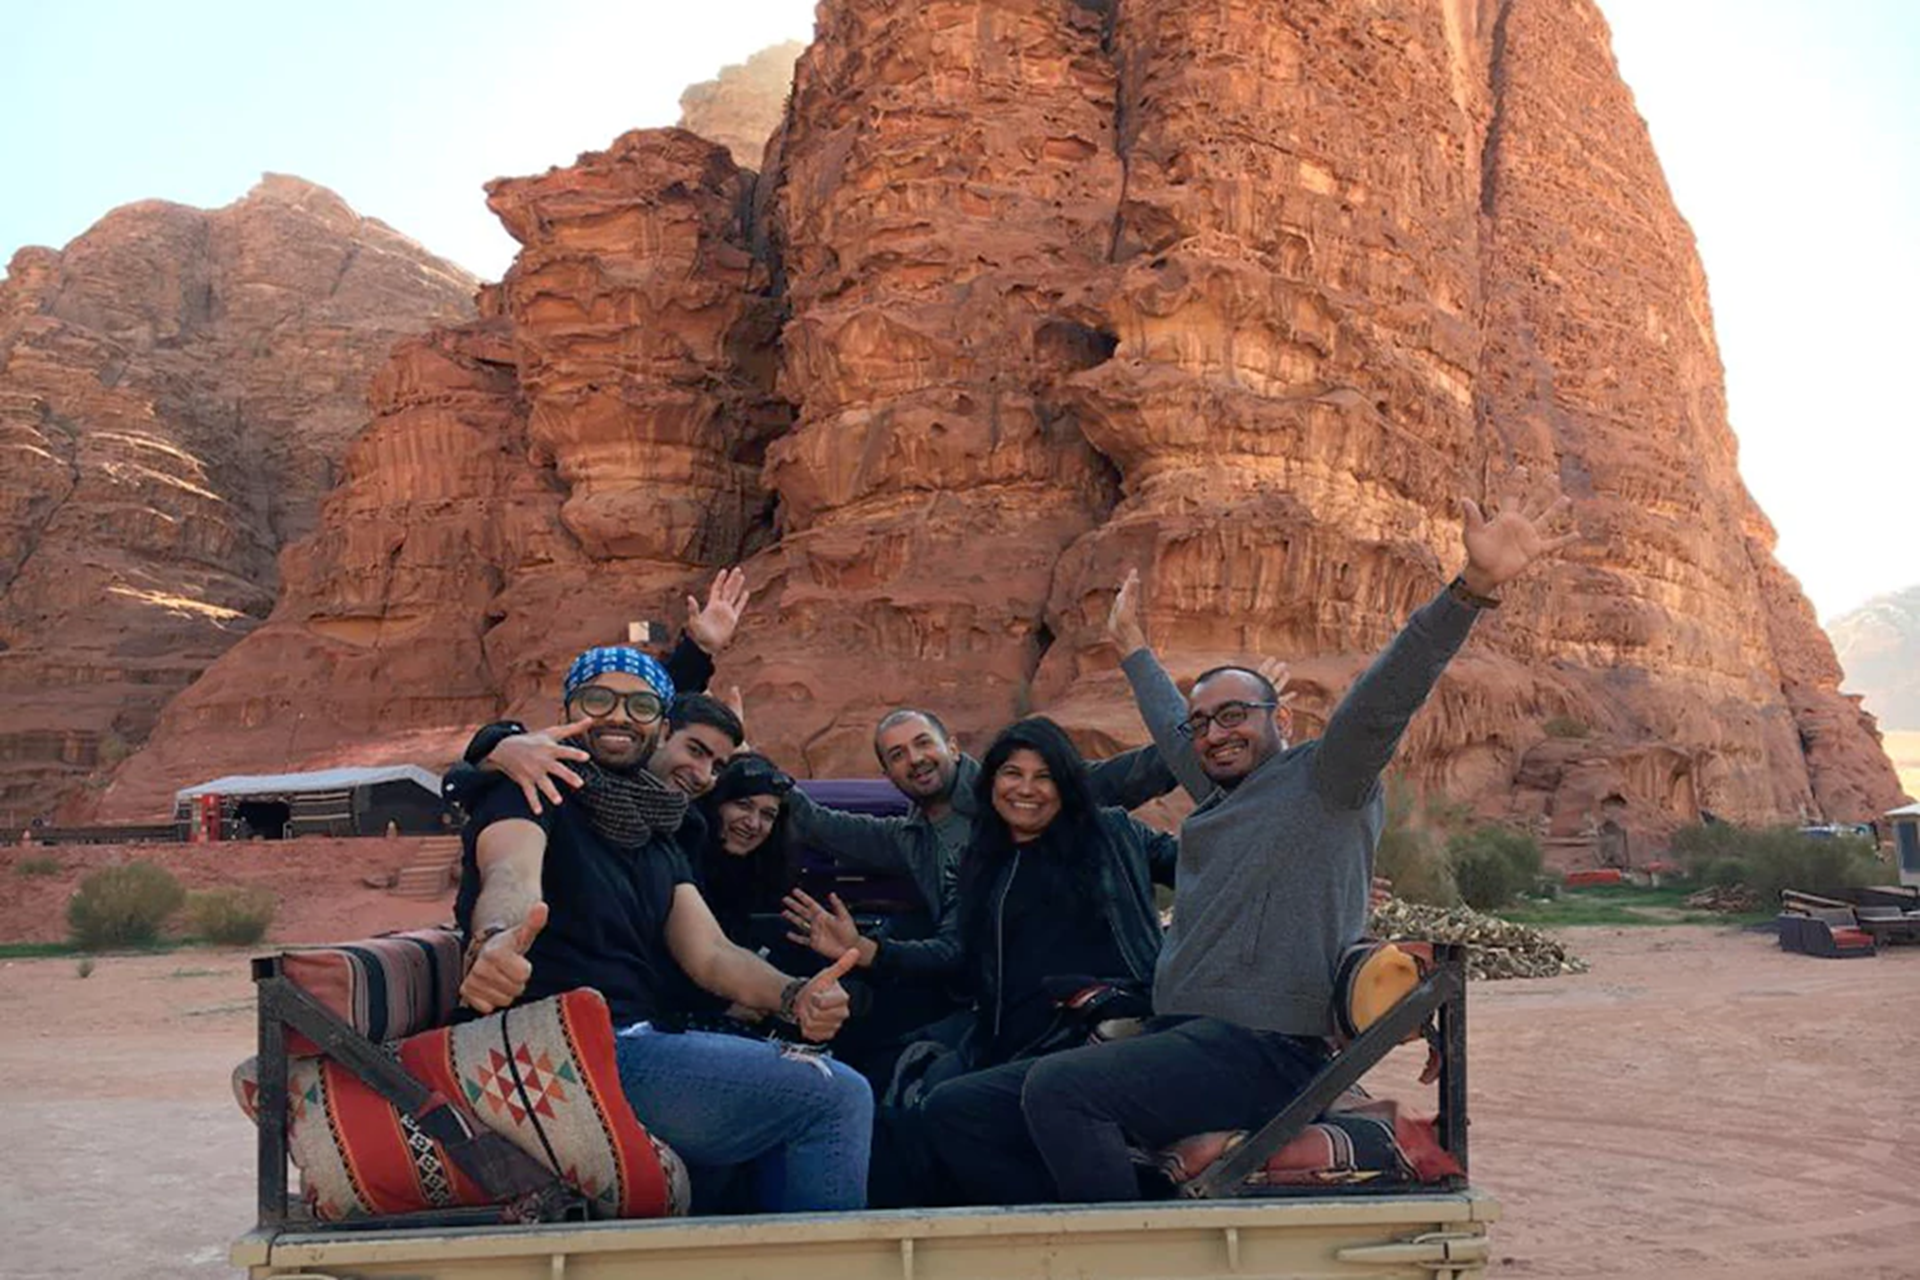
x=788 y=995
x=1467 y=596
x=491 y=736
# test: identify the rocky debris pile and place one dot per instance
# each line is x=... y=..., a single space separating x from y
x=1496 y=948
x=1729 y=899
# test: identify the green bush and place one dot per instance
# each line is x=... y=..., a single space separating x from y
x=1493 y=865
x=1410 y=853
x=1565 y=727
x=38 y=865
x=1769 y=859
x=123 y=906
x=236 y=917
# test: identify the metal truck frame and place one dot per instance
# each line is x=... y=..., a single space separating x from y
x=1220 y=1225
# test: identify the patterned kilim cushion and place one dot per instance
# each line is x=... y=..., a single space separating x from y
x=1372 y=1142
x=384 y=988
x=542 y=1074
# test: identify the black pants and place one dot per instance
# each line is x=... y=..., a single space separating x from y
x=1058 y=1128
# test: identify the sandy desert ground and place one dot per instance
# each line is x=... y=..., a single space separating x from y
x=1699 y=1105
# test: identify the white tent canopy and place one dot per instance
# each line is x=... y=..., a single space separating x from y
x=1909 y=811
x=270 y=784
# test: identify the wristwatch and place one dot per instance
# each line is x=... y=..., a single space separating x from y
x=477 y=944
x=1467 y=596
x=789 y=996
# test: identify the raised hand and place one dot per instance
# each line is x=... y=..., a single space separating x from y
x=1277 y=674
x=501 y=970
x=1501 y=546
x=822 y=1006
x=830 y=932
x=1124 y=627
x=538 y=761
x=712 y=626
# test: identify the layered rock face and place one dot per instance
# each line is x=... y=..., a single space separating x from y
x=1034 y=291
x=177 y=388
x=531 y=482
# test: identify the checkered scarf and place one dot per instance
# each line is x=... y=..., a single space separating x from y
x=628 y=809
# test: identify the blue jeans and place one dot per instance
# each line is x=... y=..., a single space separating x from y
x=801 y=1123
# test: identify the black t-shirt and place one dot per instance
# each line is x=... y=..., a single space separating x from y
x=607 y=909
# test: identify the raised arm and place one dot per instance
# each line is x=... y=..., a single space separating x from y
x=710 y=629
x=1367 y=726
x=1162 y=708
x=1130 y=779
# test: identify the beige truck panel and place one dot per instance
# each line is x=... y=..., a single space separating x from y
x=1418 y=1237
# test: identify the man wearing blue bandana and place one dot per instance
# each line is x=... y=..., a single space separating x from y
x=598 y=893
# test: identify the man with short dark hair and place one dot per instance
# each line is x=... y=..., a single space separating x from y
x=1275 y=864
x=597 y=892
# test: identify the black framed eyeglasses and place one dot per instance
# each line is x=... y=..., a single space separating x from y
x=643 y=705
x=1228 y=715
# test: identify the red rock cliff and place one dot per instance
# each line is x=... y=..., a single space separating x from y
x=1035 y=290
x=177 y=388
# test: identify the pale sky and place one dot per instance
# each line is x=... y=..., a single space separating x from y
x=1789 y=129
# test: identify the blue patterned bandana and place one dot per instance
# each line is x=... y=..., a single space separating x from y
x=597 y=662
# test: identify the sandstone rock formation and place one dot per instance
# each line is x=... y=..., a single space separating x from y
x=1031 y=291
x=742 y=106
x=177 y=388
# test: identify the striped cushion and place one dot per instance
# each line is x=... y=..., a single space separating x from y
x=1353 y=1143
x=542 y=1074
x=386 y=988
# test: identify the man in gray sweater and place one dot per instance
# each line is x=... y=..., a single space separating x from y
x=1274 y=869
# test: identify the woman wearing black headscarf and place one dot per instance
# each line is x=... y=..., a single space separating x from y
x=747 y=864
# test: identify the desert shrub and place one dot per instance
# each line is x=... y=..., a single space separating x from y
x=1493 y=865
x=1769 y=859
x=1565 y=727
x=38 y=865
x=113 y=749
x=1410 y=852
x=232 y=917
x=1722 y=870
x=123 y=906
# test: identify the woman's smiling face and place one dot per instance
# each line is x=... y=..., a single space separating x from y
x=1024 y=795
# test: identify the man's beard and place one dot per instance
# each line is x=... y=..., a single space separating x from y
x=641 y=753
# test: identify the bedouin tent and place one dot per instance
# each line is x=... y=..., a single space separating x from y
x=326 y=802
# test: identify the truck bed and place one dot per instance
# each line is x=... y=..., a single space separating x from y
x=1346 y=1236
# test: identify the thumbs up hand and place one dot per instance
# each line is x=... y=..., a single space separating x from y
x=499 y=971
x=822 y=1005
